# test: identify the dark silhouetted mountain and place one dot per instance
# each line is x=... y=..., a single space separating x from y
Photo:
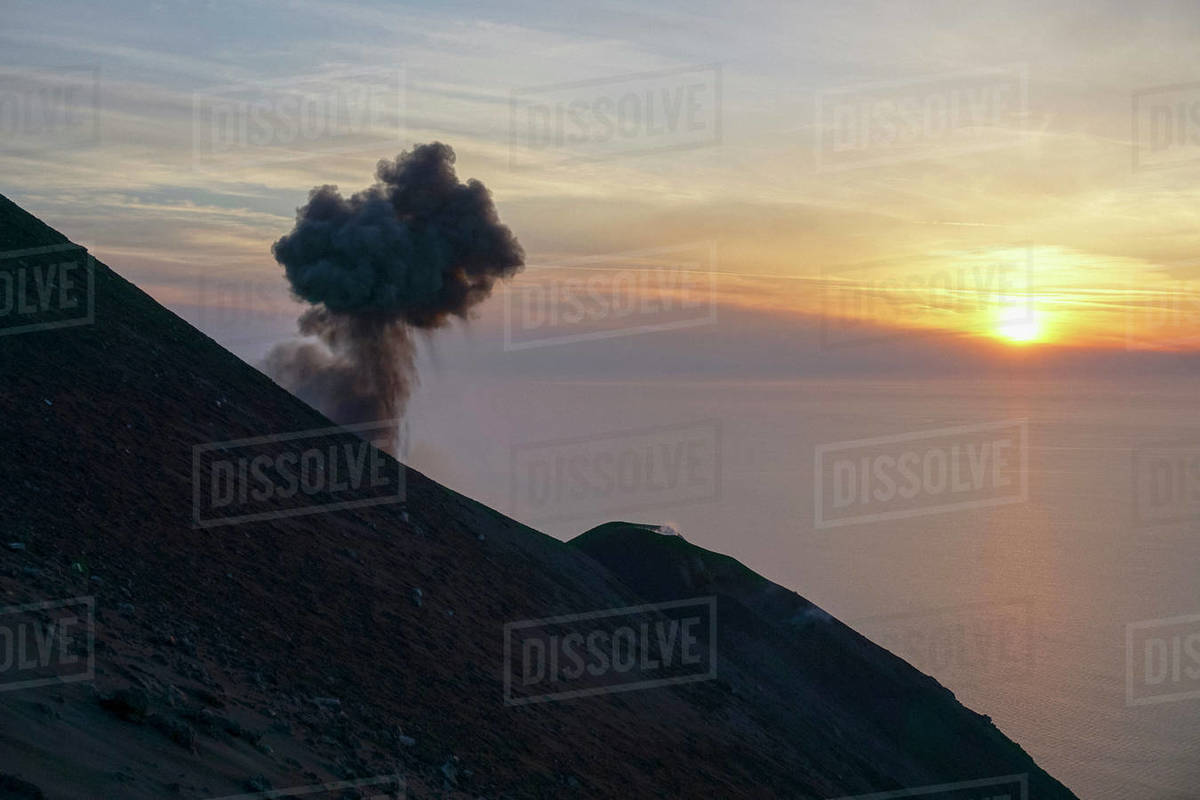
x=287 y=652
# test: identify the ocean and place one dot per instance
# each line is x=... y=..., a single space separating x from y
x=1040 y=554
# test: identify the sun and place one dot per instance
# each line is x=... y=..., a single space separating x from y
x=1021 y=331
x=1019 y=325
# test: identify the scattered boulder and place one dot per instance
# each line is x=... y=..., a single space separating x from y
x=176 y=730
x=175 y=696
x=258 y=783
x=13 y=788
x=131 y=705
x=450 y=770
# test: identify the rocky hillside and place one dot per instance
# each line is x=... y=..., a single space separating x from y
x=361 y=650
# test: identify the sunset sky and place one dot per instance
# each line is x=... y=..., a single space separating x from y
x=774 y=250
x=1061 y=210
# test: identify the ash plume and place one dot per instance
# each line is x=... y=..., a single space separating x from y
x=411 y=252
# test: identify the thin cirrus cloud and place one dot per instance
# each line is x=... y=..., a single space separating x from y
x=1064 y=187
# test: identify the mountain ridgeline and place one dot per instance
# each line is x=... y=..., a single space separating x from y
x=367 y=645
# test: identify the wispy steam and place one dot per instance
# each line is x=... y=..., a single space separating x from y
x=412 y=251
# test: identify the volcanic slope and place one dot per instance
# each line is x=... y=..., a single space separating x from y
x=292 y=652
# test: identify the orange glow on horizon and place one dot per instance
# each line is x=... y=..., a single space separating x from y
x=1018 y=296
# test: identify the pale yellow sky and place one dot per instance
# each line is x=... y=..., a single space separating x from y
x=812 y=144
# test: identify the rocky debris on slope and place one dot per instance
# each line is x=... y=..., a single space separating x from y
x=212 y=645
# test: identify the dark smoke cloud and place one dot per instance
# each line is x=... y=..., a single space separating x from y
x=411 y=252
